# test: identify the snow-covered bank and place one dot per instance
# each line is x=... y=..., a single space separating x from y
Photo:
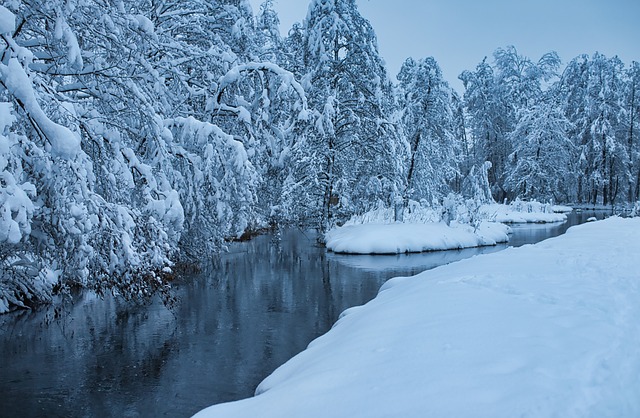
x=396 y=238
x=544 y=330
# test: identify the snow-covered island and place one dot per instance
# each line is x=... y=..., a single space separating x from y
x=397 y=238
x=525 y=212
x=543 y=330
x=456 y=225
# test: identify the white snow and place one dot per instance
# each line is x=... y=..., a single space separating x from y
x=562 y=209
x=396 y=238
x=74 y=53
x=7 y=20
x=522 y=212
x=16 y=206
x=64 y=142
x=549 y=330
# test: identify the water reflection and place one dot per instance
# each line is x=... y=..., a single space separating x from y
x=245 y=314
x=407 y=264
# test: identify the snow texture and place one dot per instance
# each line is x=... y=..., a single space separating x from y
x=16 y=207
x=562 y=209
x=64 y=143
x=522 y=212
x=396 y=238
x=549 y=330
x=7 y=20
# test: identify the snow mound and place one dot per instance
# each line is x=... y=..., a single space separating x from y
x=397 y=238
x=522 y=212
x=7 y=20
x=562 y=209
x=545 y=330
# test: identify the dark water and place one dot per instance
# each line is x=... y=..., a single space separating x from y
x=234 y=323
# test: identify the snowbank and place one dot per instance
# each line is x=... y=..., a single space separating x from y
x=521 y=212
x=397 y=238
x=544 y=330
x=562 y=209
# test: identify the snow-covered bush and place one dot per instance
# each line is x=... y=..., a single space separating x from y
x=453 y=208
x=520 y=211
x=84 y=161
x=130 y=137
x=476 y=184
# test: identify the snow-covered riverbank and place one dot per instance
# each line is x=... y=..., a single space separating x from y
x=544 y=330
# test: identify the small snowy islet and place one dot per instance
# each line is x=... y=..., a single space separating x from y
x=397 y=238
x=545 y=330
x=524 y=212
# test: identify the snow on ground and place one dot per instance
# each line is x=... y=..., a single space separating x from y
x=522 y=212
x=549 y=330
x=397 y=238
x=561 y=209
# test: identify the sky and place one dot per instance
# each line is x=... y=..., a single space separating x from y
x=460 y=33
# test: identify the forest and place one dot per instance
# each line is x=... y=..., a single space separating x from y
x=136 y=135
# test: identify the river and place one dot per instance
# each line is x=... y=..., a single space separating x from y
x=234 y=322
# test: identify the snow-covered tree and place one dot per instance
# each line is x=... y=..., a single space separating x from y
x=495 y=97
x=632 y=127
x=541 y=165
x=487 y=122
x=135 y=138
x=475 y=185
x=428 y=121
x=348 y=86
x=519 y=79
x=268 y=104
x=592 y=89
x=293 y=53
x=101 y=217
x=270 y=45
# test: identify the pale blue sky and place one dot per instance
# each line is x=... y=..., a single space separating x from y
x=460 y=33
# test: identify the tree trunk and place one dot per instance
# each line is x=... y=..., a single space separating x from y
x=414 y=150
x=632 y=196
x=638 y=186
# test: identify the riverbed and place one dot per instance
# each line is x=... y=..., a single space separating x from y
x=244 y=314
